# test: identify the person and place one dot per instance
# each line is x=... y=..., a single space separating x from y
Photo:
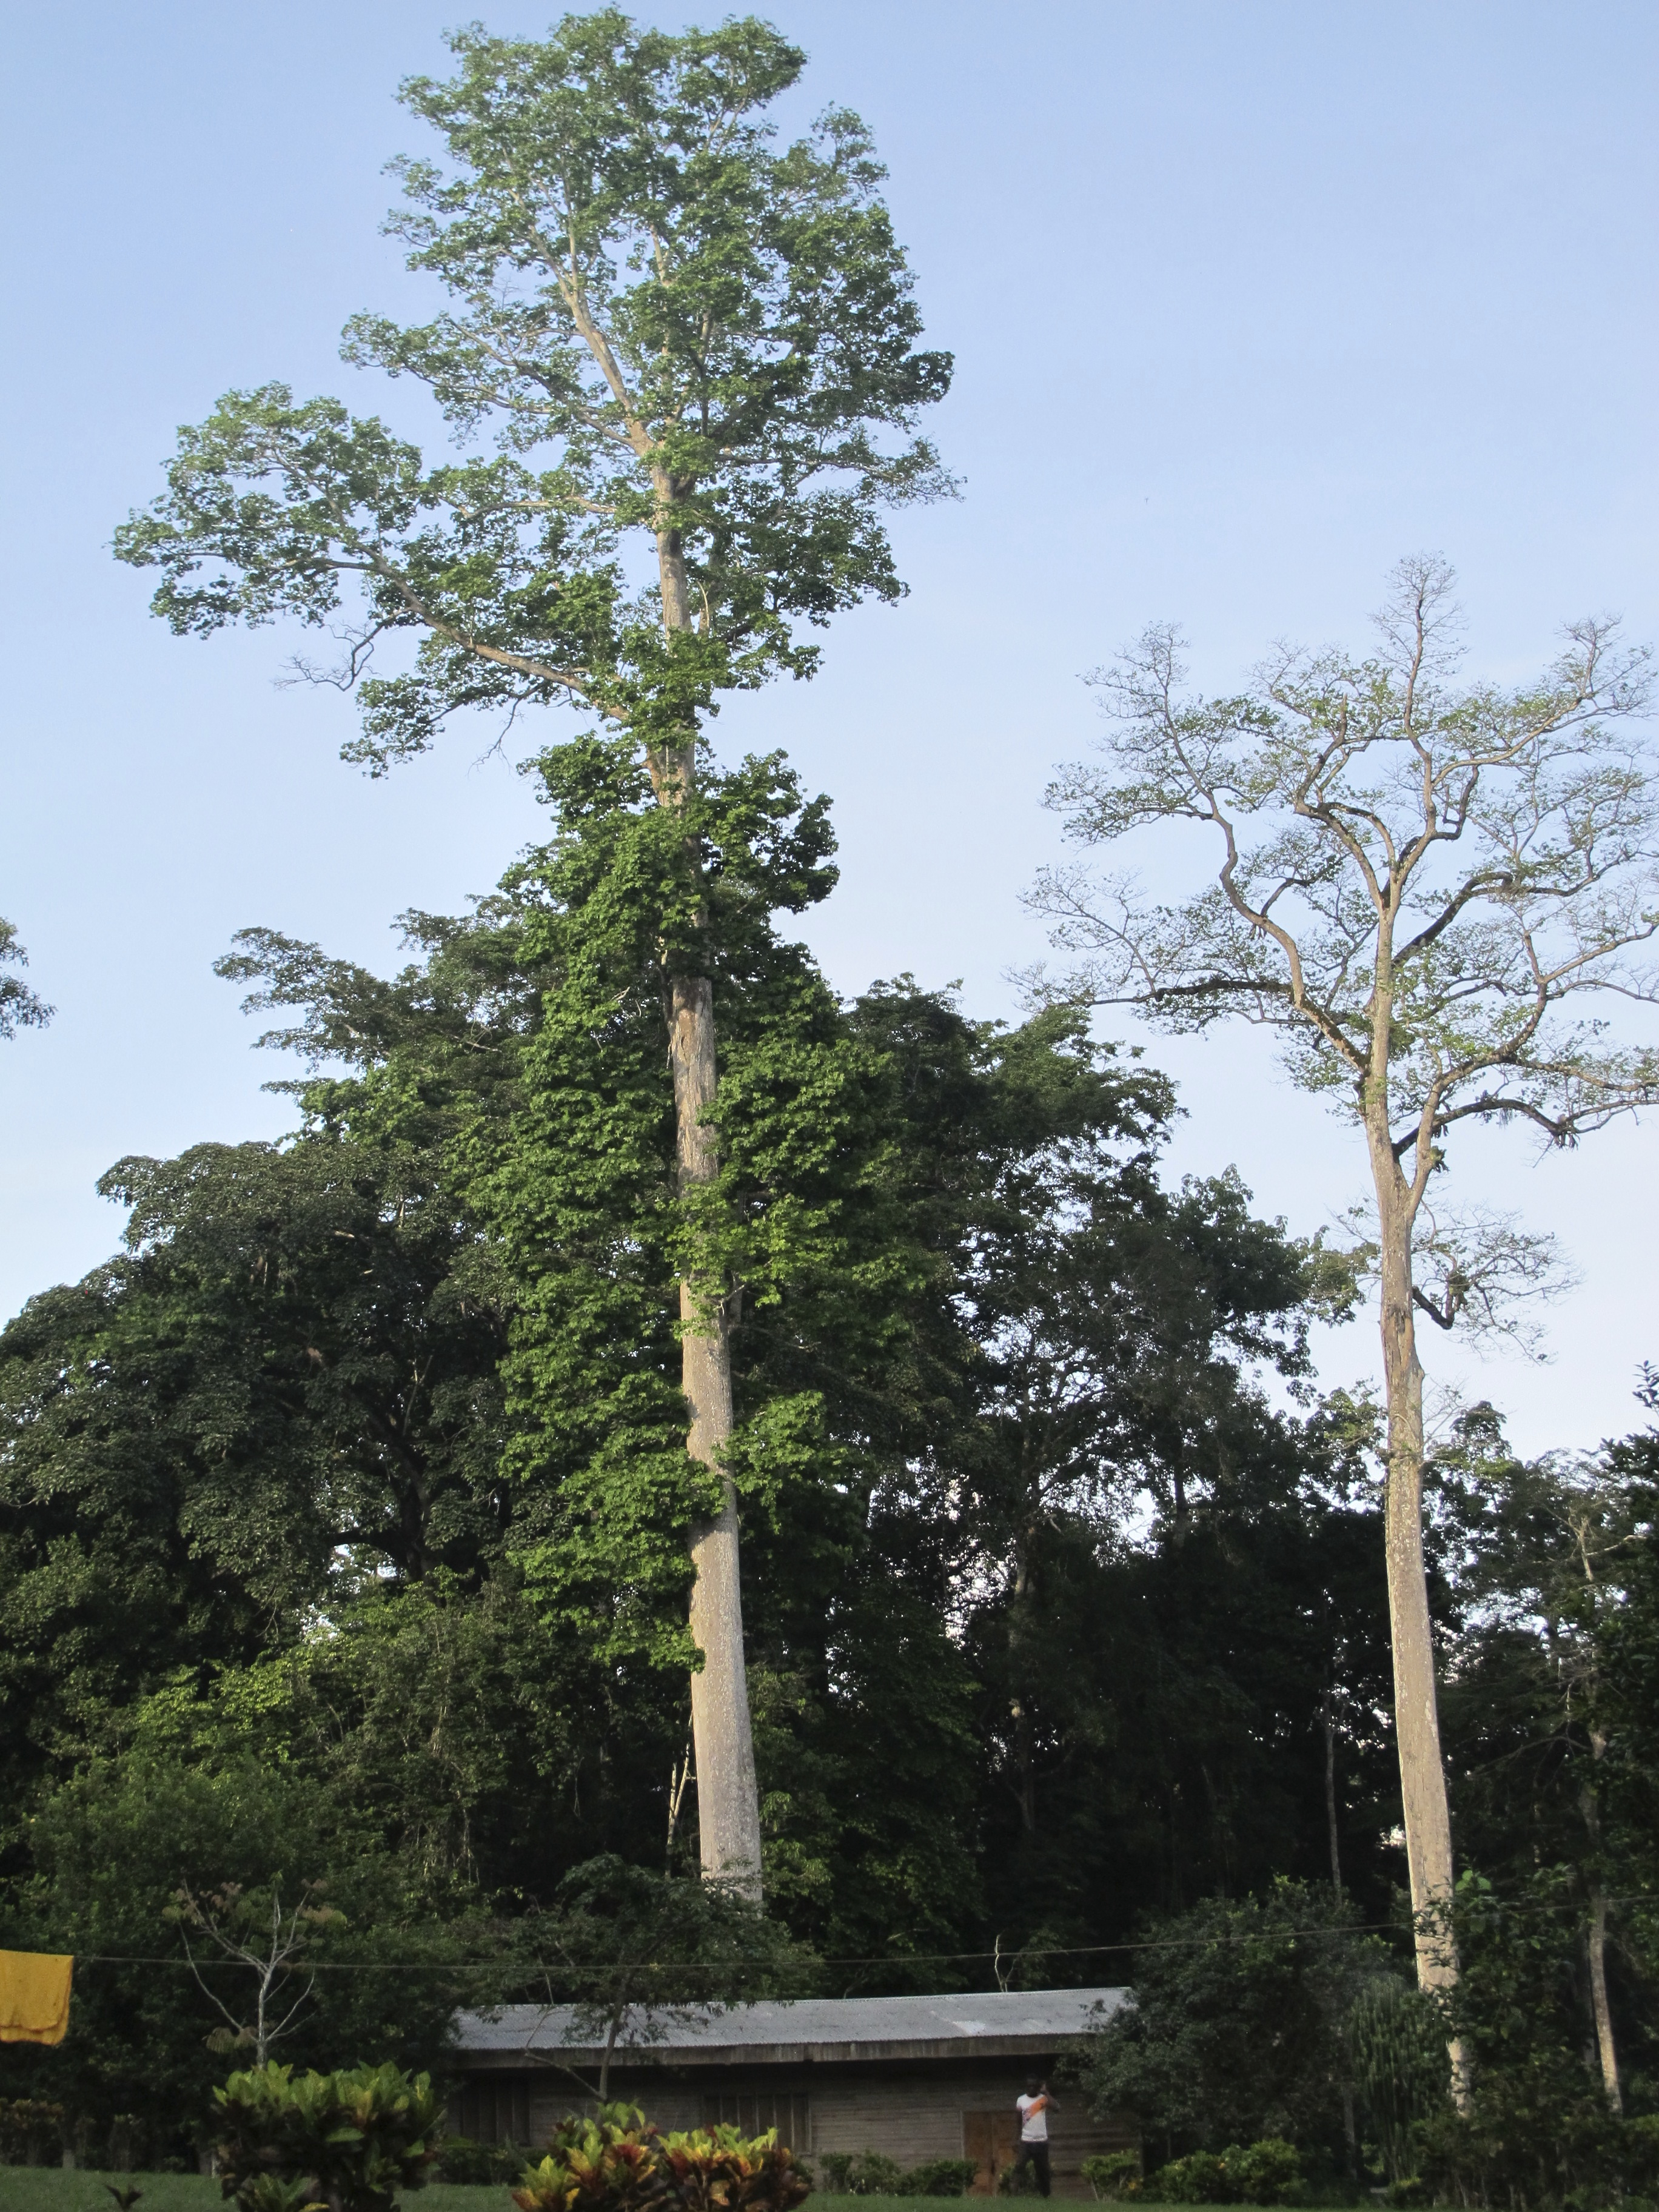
x=1034 y=2108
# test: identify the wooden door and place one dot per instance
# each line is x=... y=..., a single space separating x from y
x=988 y=2139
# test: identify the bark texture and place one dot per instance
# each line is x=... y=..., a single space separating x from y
x=1605 y=2047
x=1426 y=1812
x=728 y=1800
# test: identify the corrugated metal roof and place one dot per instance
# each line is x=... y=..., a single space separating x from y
x=813 y=2027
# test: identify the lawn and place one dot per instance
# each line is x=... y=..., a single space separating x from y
x=49 y=2189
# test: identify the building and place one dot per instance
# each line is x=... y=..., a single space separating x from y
x=917 y=2078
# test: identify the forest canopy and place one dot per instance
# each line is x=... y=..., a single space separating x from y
x=1064 y=1588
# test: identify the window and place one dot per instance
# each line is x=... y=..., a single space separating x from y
x=753 y=2114
x=494 y=2108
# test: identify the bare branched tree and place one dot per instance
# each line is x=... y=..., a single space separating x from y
x=251 y=1930
x=1433 y=889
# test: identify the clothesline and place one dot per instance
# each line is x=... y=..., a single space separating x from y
x=35 y=1985
x=888 y=1959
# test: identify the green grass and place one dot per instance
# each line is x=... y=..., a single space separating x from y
x=49 y=2189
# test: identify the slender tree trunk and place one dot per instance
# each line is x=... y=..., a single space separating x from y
x=679 y=1774
x=1598 y=1966
x=1606 y=2048
x=1327 y=1713
x=1327 y=1707
x=1019 y=1710
x=611 y=2034
x=1024 y=1787
x=1427 y=1816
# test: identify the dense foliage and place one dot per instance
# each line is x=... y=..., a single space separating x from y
x=324 y=1587
x=614 y=2162
x=358 y=1471
x=354 y=2140
x=1236 y=2032
x=1275 y=2013
x=342 y=1532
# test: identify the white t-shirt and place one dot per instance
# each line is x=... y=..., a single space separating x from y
x=1033 y=2119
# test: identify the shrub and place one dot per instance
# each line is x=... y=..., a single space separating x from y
x=1505 y=2150
x=615 y=2163
x=1265 y=2172
x=869 y=2173
x=937 y=2176
x=461 y=2160
x=1200 y=2179
x=266 y=2193
x=356 y=2137
x=714 y=2170
x=1641 y=2161
x=1113 y=2175
x=30 y=2130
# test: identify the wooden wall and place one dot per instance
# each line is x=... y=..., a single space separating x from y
x=946 y=2108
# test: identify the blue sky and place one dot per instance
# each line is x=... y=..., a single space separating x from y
x=1247 y=301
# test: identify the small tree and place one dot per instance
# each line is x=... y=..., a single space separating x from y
x=1236 y=2030
x=1421 y=883
x=686 y=342
x=632 y=1952
x=250 y=1929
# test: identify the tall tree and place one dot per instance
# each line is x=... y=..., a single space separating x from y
x=528 y=1053
x=20 y=1007
x=1420 y=885
x=683 y=337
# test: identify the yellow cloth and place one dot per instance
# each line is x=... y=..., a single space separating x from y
x=34 y=1997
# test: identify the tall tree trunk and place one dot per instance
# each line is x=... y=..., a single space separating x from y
x=1427 y=1816
x=728 y=1801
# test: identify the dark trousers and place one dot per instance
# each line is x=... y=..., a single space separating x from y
x=1033 y=2154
